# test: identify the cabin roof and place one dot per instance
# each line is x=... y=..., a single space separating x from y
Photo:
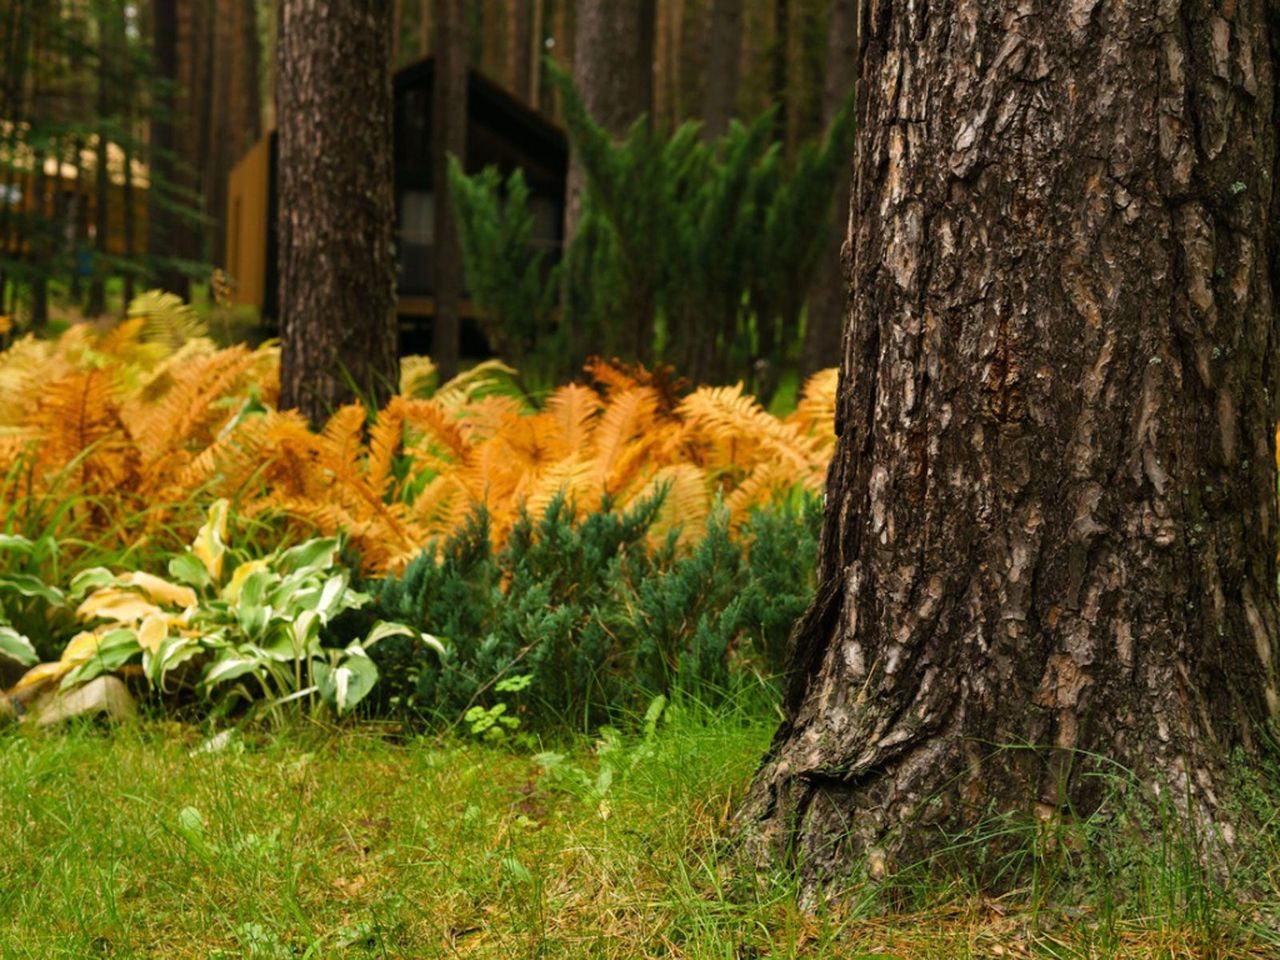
x=495 y=105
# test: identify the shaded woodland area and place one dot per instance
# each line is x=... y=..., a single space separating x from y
x=790 y=477
x=150 y=105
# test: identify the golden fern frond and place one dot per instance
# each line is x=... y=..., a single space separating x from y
x=438 y=427
x=575 y=409
x=768 y=478
x=575 y=477
x=149 y=382
x=727 y=416
x=484 y=379
x=613 y=376
x=627 y=415
x=485 y=418
x=190 y=412
x=79 y=427
x=385 y=437
x=342 y=437
x=685 y=505
x=377 y=543
x=233 y=458
x=166 y=318
x=417 y=376
x=25 y=367
x=815 y=414
x=73 y=414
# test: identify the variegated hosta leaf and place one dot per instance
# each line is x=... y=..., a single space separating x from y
x=345 y=685
x=228 y=667
x=87 y=581
x=119 y=604
x=115 y=648
x=210 y=545
x=172 y=652
x=17 y=647
x=314 y=556
x=187 y=568
x=26 y=585
x=160 y=590
x=235 y=586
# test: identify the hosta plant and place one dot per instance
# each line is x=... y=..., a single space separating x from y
x=237 y=629
x=22 y=592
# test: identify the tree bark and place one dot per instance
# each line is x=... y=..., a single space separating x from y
x=448 y=136
x=720 y=82
x=613 y=71
x=109 y=49
x=162 y=226
x=518 y=47
x=828 y=300
x=337 y=272
x=1051 y=512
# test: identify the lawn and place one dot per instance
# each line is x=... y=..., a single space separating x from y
x=140 y=841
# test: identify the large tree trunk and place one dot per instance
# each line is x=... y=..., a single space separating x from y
x=1051 y=516
x=724 y=52
x=337 y=273
x=448 y=137
x=828 y=299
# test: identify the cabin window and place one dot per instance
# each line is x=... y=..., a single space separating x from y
x=546 y=221
x=417 y=237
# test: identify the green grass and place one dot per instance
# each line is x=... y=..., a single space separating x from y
x=362 y=843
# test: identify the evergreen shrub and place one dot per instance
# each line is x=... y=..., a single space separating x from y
x=594 y=612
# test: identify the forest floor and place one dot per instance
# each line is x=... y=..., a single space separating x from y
x=143 y=842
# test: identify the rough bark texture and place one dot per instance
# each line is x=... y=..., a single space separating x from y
x=448 y=137
x=724 y=53
x=613 y=71
x=1051 y=513
x=337 y=271
x=829 y=297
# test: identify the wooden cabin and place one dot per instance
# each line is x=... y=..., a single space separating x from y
x=65 y=199
x=502 y=131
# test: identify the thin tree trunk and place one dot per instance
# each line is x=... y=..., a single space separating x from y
x=96 y=304
x=518 y=45
x=162 y=228
x=337 y=272
x=76 y=224
x=781 y=70
x=613 y=71
x=828 y=299
x=40 y=246
x=221 y=133
x=424 y=27
x=128 y=226
x=1051 y=514
x=724 y=52
x=535 y=56
x=448 y=137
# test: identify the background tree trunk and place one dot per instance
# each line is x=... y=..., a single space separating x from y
x=828 y=299
x=448 y=136
x=613 y=71
x=109 y=52
x=1051 y=512
x=337 y=272
x=724 y=52
x=518 y=45
x=162 y=225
